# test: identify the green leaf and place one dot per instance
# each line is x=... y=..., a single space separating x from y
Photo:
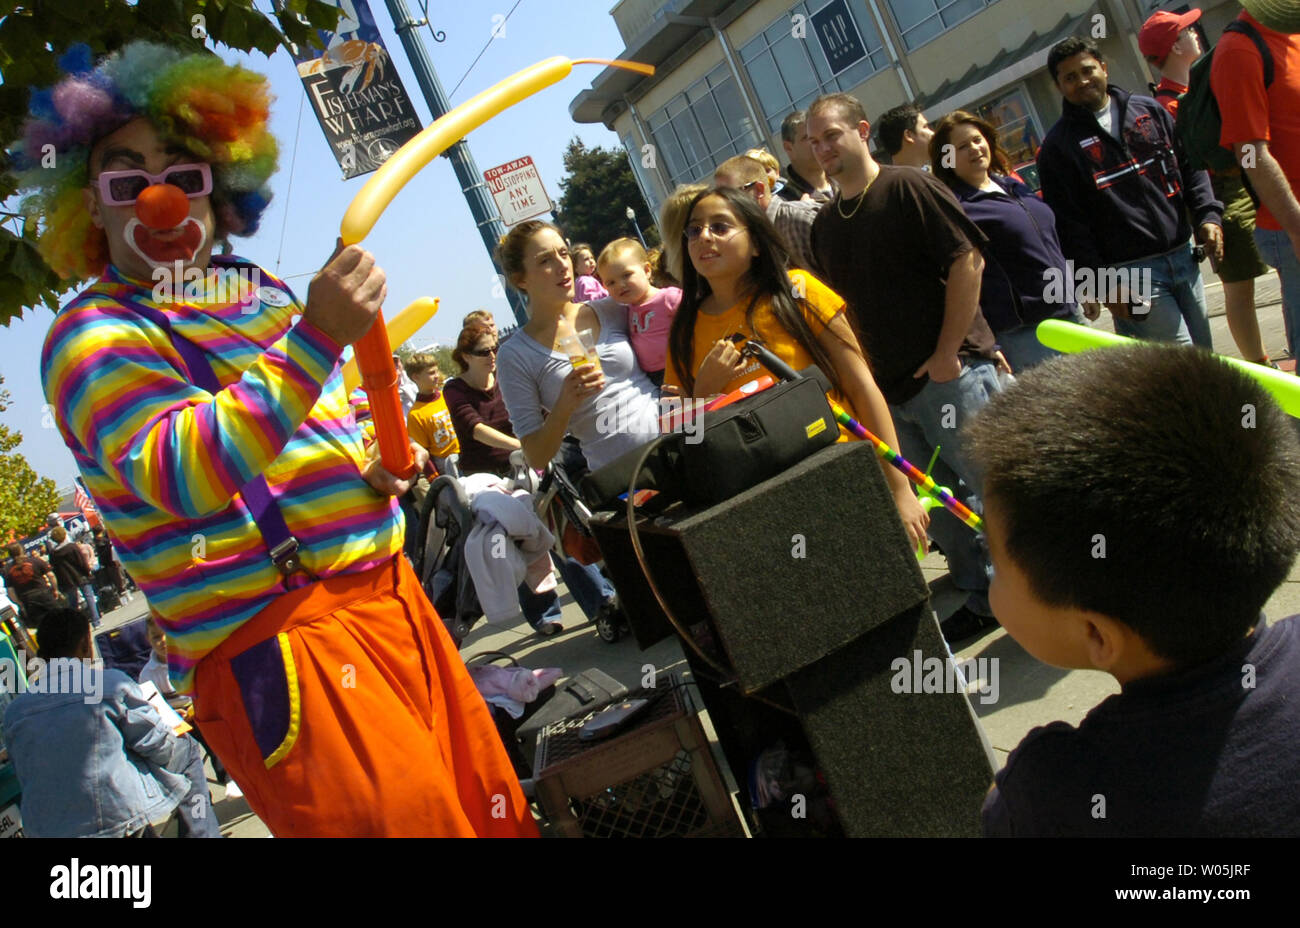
x=321 y=15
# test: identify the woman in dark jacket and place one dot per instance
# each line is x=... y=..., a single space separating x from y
x=1026 y=278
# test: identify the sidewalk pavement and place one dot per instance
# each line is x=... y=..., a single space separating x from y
x=1030 y=693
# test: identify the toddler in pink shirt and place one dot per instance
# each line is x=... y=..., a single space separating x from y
x=650 y=310
x=586 y=285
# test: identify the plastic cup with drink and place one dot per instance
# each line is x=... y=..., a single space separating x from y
x=580 y=347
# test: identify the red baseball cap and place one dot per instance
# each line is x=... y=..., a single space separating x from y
x=1161 y=31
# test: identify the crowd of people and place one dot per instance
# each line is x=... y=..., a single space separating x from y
x=915 y=286
x=62 y=571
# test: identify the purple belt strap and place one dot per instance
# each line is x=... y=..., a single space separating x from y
x=281 y=544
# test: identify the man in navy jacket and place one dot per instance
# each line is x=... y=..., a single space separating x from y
x=1119 y=184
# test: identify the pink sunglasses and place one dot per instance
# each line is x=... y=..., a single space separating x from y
x=122 y=188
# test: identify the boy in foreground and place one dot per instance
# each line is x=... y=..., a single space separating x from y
x=1140 y=505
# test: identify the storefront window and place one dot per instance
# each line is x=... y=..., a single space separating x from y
x=919 y=21
x=697 y=130
x=788 y=70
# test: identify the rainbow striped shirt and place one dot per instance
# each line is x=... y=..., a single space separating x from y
x=165 y=459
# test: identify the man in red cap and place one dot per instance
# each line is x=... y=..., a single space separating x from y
x=1171 y=45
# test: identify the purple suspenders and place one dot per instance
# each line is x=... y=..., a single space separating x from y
x=280 y=543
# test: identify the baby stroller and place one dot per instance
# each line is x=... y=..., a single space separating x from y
x=445 y=523
x=446 y=519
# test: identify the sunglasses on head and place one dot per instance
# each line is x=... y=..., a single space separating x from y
x=483 y=352
x=122 y=188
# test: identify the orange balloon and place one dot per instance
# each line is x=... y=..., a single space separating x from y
x=162 y=206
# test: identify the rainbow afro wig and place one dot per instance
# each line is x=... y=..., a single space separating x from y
x=214 y=110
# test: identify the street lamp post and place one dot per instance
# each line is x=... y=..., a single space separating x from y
x=631 y=215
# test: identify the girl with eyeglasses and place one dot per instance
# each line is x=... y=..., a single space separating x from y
x=736 y=286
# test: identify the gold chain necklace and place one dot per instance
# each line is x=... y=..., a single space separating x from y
x=839 y=203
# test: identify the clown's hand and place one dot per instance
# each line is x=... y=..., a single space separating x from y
x=384 y=482
x=347 y=293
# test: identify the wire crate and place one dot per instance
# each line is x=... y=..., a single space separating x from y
x=658 y=779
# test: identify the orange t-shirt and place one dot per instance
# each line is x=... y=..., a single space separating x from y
x=1251 y=112
x=429 y=423
x=821 y=305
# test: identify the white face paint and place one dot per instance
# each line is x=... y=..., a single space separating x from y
x=164 y=248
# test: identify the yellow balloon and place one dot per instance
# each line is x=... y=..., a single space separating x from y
x=401 y=327
x=372 y=199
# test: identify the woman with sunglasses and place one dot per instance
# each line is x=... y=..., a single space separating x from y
x=736 y=286
x=486 y=439
x=474 y=400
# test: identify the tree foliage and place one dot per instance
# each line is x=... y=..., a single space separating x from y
x=35 y=33
x=597 y=189
x=446 y=365
x=25 y=498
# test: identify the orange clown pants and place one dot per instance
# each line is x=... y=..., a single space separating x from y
x=344 y=710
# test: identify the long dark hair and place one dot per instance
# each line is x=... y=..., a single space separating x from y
x=766 y=278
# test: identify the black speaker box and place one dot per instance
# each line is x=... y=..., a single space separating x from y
x=898 y=764
x=809 y=589
x=788 y=571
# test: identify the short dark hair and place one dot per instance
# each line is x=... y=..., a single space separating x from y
x=1068 y=48
x=1180 y=464
x=891 y=126
x=62 y=633
x=15 y=549
x=790 y=126
x=845 y=104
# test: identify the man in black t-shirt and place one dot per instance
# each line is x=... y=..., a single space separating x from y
x=897 y=247
x=31 y=582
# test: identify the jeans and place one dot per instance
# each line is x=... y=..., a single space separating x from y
x=1275 y=248
x=196 y=812
x=588 y=585
x=1023 y=350
x=1177 y=311
x=92 y=605
x=934 y=418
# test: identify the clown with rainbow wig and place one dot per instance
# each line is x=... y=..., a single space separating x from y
x=211 y=425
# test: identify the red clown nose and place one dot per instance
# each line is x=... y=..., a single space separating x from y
x=162 y=206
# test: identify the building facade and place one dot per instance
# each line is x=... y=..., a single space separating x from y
x=729 y=71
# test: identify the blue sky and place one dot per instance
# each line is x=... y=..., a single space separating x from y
x=426 y=240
